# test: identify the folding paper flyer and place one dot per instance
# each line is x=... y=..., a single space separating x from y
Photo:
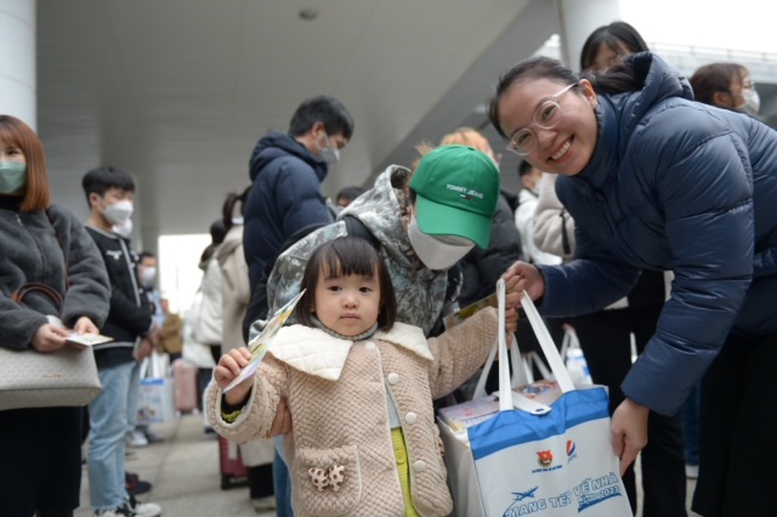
x=258 y=346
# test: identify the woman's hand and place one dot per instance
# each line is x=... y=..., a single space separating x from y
x=522 y=277
x=281 y=424
x=85 y=326
x=49 y=338
x=230 y=365
x=629 y=431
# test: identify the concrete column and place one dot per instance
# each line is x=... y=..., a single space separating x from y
x=17 y=55
x=578 y=19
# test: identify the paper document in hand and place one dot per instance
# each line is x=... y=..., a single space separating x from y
x=87 y=339
x=470 y=310
x=258 y=345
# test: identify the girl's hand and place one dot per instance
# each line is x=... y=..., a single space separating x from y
x=85 y=326
x=629 y=431
x=522 y=277
x=49 y=338
x=230 y=365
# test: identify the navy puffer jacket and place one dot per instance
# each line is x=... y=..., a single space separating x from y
x=286 y=196
x=674 y=185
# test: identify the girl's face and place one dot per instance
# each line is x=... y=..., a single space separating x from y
x=608 y=56
x=11 y=153
x=566 y=148
x=348 y=304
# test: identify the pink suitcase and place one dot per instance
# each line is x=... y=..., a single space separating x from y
x=233 y=472
x=185 y=383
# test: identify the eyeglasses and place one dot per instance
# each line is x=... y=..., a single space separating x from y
x=546 y=116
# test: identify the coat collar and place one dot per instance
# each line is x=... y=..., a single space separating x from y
x=315 y=352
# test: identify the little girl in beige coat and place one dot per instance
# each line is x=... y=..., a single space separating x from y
x=359 y=388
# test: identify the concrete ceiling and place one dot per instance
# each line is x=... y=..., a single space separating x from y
x=177 y=92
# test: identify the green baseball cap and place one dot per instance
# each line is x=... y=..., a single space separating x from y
x=458 y=190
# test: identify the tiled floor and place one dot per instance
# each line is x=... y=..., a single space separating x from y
x=184 y=472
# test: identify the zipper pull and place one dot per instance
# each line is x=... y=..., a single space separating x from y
x=19 y=218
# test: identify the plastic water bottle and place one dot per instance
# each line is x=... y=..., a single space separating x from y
x=577 y=366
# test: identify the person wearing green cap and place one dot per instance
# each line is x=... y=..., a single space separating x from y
x=423 y=225
x=452 y=196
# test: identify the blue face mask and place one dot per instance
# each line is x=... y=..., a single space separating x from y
x=13 y=177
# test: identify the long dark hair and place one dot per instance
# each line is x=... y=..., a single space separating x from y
x=615 y=35
x=341 y=257
x=228 y=209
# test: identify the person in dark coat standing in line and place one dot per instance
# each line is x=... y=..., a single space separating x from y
x=287 y=170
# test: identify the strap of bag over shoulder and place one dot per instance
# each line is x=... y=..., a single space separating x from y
x=34 y=287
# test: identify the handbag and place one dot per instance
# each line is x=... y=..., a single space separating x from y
x=30 y=379
x=545 y=451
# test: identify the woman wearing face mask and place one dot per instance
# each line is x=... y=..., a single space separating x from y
x=657 y=181
x=726 y=85
x=423 y=225
x=40 y=470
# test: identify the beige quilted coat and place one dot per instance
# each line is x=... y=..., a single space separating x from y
x=337 y=397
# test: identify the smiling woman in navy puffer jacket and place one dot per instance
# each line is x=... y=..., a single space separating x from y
x=656 y=181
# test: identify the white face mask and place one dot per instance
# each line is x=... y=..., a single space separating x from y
x=118 y=213
x=433 y=251
x=147 y=276
x=330 y=154
x=125 y=230
x=752 y=101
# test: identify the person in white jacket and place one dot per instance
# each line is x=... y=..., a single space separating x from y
x=257 y=455
x=524 y=215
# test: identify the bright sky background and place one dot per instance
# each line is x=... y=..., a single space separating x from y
x=738 y=25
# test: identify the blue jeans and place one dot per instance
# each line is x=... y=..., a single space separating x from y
x=281 y=480
x=108 y=424
x=133 y=398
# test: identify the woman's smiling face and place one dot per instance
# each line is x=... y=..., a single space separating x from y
x=567 y=147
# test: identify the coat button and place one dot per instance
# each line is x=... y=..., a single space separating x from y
x=393 y=378
x=369 y=345
x=411 y=418
x=419 y=466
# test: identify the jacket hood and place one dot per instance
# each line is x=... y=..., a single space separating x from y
x=381 y=209
x=620 y=115
x=232 y=241
x=276 y=145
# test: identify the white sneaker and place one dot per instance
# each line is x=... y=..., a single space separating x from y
x=122 y=511
x=143 y=509
x=136 y=439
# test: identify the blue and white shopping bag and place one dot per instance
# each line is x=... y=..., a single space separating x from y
x=548 y=460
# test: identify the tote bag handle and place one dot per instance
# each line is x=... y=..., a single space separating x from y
x=520 y=369
x=546 y=343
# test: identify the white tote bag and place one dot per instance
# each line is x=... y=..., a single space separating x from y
x=453 y=420
x=551 y=459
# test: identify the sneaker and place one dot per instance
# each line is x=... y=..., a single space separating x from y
x=121 y=511
x=136 y=439
x=152 y=437
x=263 y=504
x=692 y=471
x=142 y=509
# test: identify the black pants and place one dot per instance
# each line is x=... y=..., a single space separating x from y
x=604 y=338
x=260 y=481
x=40 y=461
x=738 y=463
